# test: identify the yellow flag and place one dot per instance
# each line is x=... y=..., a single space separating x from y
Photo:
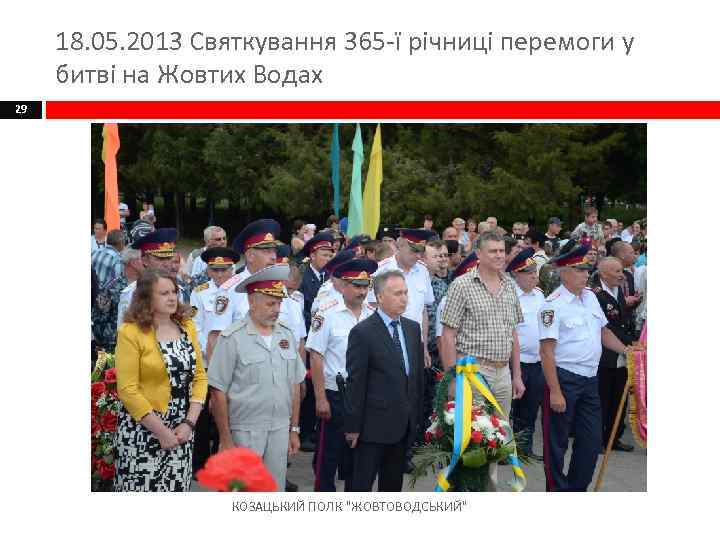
x=371 y=197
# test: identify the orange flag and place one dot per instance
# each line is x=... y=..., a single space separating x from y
x=111 y=145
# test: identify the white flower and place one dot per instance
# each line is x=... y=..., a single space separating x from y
x=450 y=417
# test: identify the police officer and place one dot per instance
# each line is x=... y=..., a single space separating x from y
x=205 y=304
x=255 y=375
x=319 y=251
x=327 y=344
x=330 y=290
x=572 y=334
x=524 y=271
x=158 y=251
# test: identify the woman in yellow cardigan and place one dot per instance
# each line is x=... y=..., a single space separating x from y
x=162 y=385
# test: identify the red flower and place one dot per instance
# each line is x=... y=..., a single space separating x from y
x=449 y=406
x=106 y=470
x=97 y=389
x=476 y=437
x=495 y=421
x=428 y=437
x=439 y=376
x=108 y=422
x=502 y=431
x=111 y=376
x=95 y=427
x=492 y=444
x=237 y=469
x=439 y=433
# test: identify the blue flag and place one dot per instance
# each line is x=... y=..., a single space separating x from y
x=335 y=165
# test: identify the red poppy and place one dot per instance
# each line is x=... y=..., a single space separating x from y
x=97 y=389
x=476 y=436
x=109 y=421
x=449 y=406
x=492 y=444
x=111 y=376
x=495 y=421
x=237 y=469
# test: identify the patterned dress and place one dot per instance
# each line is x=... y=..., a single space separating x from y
x=141 y=464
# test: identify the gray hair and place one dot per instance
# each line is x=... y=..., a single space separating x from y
x=129 y=254
x=487 y=236
x=605 y=262
x=209 y=230
x=380 y=281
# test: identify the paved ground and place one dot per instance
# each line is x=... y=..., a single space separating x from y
x=626 y=471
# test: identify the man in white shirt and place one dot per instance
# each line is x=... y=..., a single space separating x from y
x=411 y=246
x=327 y=343
x=524 y=271
x=214 y=237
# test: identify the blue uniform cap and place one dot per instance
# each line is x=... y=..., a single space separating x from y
x=523 y=261
x=260 y=234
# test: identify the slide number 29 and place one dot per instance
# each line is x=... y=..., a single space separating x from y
x=21 y=109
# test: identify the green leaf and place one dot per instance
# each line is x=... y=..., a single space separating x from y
x=475 y=458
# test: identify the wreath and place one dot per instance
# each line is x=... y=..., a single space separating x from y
x=491 y=441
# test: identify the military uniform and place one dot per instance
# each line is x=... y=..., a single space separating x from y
x=525 y=409
x=328 y=337
x=258 y=375
x=575 y=324
x=612 y=372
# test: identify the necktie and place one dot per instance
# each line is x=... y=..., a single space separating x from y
x=398 y=345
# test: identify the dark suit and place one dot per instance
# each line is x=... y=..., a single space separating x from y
x=309 y=287
x=384 y=405
x=612 y=379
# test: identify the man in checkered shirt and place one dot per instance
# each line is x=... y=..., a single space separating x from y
x=106 y=261
x=480 y=320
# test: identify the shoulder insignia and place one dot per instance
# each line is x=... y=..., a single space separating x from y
x=317 y=322
x=202 y=287
x=547 y=316
x=234 y=327
x=553 y=296
x=328 y=305
x=538 y=289
x=284 y=325
x=298 y=297
x=422 y=262
x=321 y=293
x=193 y=311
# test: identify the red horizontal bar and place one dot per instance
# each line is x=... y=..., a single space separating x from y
x=381 y=110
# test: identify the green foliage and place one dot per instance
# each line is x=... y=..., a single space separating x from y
x=517 y=172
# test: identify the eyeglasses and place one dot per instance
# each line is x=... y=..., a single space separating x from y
x=443 y=256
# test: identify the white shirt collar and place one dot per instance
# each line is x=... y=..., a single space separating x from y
x=613 y=291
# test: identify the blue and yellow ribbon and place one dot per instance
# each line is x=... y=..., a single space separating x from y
x=466 y=377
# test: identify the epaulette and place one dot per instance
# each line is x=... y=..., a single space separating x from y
x=328 y=305
x=284 y=325
x=371 y=308
x=538 y=289
x=553 y=296
x=423 y=263
x=234 y=327
x=298 y=296
x=202 y=287
x=385 y=261
x=320 y=294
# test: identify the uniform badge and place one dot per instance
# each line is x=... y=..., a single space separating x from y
x=284 y=344
x=609 y=307
x=193 y=311
x=317 y=323
x=547 y=316
x=221 y=304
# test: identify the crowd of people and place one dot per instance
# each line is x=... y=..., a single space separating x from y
x=333 y=345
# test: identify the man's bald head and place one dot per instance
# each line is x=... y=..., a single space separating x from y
x=611 y=271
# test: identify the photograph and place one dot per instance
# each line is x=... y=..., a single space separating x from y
x=374 y=306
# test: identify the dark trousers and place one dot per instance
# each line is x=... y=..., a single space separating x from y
x=611 y=382
x=387 y=461
x=582 y=414
x=524 y=410
x=308 y=420
x=332 y=452
x=206 y=438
